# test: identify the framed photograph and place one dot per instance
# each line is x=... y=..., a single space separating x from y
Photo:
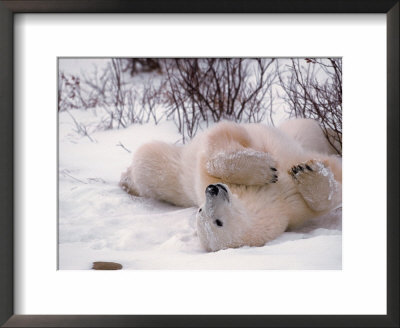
x=212 y=164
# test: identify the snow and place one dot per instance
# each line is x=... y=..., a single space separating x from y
x=98 y=221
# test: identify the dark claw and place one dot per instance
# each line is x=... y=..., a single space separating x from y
x=273 y=169
x=275 y=176
x=300 y=168
x=294 y=169
x=308 y=167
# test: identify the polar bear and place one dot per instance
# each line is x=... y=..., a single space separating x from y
x=251 y=181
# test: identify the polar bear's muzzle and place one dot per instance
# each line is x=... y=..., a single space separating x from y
x=217 y=190
x=212 y=190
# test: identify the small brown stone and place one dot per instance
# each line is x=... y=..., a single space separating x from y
x=106 y=266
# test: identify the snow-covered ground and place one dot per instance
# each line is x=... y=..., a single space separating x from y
x=100 y=222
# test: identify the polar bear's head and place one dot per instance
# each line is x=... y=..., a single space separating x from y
x=221 y=220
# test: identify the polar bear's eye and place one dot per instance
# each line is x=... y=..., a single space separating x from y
x=200 y=210
x=218 y=223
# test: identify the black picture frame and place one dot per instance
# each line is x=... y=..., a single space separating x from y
x=10 y=7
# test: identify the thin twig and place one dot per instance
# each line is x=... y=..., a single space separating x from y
x=123 y=147
x=65 y=173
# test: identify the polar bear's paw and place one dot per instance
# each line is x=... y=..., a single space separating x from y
x=316 y=183
x=303 y=170
x=127 y=185
x=247 y=167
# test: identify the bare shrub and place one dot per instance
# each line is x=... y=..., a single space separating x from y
x=69 y=92
x=80 y=128
x=96 y=85
x=118 y=93
x=313 y=89
x=110 y=91
x=193 y=92
x=151 y=98
x=214 y=89
x=141 y=65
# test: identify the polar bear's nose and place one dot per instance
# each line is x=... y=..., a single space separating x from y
x=212 y=190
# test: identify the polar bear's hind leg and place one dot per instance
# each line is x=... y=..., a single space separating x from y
x=155 y=173
x=317 y=184
x=126 y=183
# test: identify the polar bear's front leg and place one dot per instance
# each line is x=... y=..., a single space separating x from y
x=317 y=184
x=231 y=158
x=245 y=166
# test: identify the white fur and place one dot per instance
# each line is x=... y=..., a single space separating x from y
x=245 y=160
